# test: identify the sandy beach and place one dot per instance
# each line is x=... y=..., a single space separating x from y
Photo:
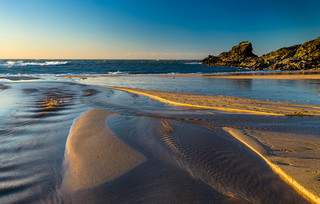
x=94 y=155
x=294 y=157
x=160 y=102
x=228 y=103
x=180 y=147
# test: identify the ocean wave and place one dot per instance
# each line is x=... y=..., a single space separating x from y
x=21 y=63
x=193 y=63
x=117 y=73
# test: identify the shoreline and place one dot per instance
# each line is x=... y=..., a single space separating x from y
x=226 y=103
x=97 y=155
x=292 y=169
x=252 y=74
x=232 y=75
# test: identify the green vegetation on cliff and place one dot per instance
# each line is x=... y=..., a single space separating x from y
x=297 y=57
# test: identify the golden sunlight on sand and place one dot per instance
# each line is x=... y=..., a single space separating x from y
x=289 y=158
x=94 y=155
x=227 y=103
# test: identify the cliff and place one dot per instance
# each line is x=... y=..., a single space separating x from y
x=297 y=57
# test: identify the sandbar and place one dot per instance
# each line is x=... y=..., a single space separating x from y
x=228 y=103
x=94 y=155
x=294 y=157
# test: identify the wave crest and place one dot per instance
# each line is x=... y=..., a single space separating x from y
x=21 y=63
x=118 y=73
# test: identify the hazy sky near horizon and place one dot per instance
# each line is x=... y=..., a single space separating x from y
x=146 y=29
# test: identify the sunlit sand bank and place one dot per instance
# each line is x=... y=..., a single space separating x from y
x=228 y=103
x=294 y=157
x=145 y=151
x=94 y=155
x=203 y=156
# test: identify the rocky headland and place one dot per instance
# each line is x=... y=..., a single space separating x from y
x=296 y=57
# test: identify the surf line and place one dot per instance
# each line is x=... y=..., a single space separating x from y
x=288 y=179
x=190 y=105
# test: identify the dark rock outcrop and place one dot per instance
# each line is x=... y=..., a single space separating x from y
x=237 y=55
x=297 y=57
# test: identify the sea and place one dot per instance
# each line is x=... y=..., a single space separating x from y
x=296 y=91
x=104 y=67
x=184 y=155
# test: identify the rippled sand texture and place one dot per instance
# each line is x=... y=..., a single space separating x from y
x=130 y=149
x=300 y=168
x=94 y=155
x=32 y=140
x=295 y=157
x=188 y=161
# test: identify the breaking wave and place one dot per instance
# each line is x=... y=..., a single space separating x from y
x=193 y=63
x=23 y=64
x=118 y=73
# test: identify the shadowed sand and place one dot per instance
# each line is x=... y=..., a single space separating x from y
x=299 y=169
x=94 y=155
x=227 y=103
x=294 y=157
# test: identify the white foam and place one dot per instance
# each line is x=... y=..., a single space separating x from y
x=193 y=63
x=118 y=73
x=21 y=63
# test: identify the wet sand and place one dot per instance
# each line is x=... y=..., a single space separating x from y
x=94 y=155
x=294 y=157
x=19 y=78
x=187 y=163
x=122 y=148
x=228 y=103
x=266 y=76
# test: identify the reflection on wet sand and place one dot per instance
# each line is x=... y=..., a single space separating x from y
x=227 y=103
x=129 y=149
x=203 y=157
x=242 y=84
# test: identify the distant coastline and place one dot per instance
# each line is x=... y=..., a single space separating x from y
x=296 y=57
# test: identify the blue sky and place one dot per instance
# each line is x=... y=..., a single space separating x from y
x=126 y=29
